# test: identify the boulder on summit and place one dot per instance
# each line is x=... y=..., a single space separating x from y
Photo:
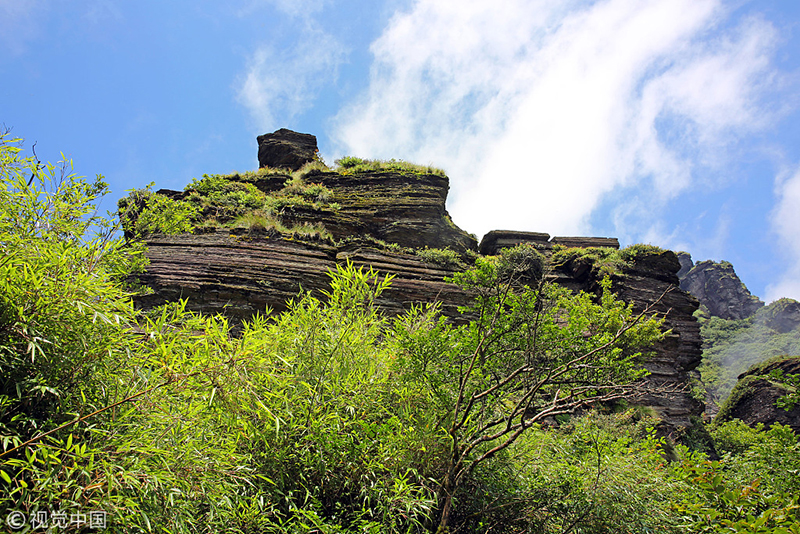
x=286 y=149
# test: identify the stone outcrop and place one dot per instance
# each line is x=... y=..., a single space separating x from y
x=286 y=149
x=403 y=208
x=719 y=289
x=754 y=399
x=240 y=275
x=647 y=278
x=497 y=240
x=586 y=242
x=783 y=315
x=686 y=262
x=378 y=219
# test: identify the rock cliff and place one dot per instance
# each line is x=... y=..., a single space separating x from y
x=642 y=280
x=754 y=399
x=718 y=288
x=240 y=275
x=382 y=218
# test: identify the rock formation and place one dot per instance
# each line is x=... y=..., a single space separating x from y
x=719 y=289
x=496 y=240
x=686 y=262
x=754 y=399
x=286 y=149
x=646 y=278
x=381 y=218
x=403 y=208
x=240 y=275
x=783 y=315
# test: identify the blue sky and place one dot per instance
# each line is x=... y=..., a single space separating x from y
x=671 y=122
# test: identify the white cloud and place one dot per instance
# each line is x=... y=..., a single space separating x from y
x=279 y=85
x=539 y=109
x=786 y=223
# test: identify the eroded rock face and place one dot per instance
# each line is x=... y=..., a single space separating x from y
x=754 y=398
x=286 y=149
x=783 y=315
x=497 y=240
x=403 y=208
x=686 y=262
x=720 y=290
x=240 y=275
x=671 y=365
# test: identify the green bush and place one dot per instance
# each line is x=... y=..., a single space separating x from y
x=443 y=257
x=604 y=261
x=597 y=473
x=144 y=213
x=349 y=162
x=522 y=261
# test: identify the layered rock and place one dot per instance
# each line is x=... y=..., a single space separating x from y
x=646 y=279
x=719 y=289
x=240 y=275
x=286 y=149
x=754 y=400
x=497 y=240
x=403 y=208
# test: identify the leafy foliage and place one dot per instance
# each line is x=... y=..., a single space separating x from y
x=62 y=294
x=440 y=256
x=531 y=353
x=144 y=213
x=231 y=201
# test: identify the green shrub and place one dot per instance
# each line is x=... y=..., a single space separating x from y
x=233 y=201
x=144 y=213
x=717 y=505
x=522 y=261
x=631 y=252
x=597 y=473
x=443 y=257
x=349 y=162
x=604 y=261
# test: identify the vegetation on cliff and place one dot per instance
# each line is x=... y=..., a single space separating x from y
x=225 y=201
x=602 y=261
x=332 y=417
